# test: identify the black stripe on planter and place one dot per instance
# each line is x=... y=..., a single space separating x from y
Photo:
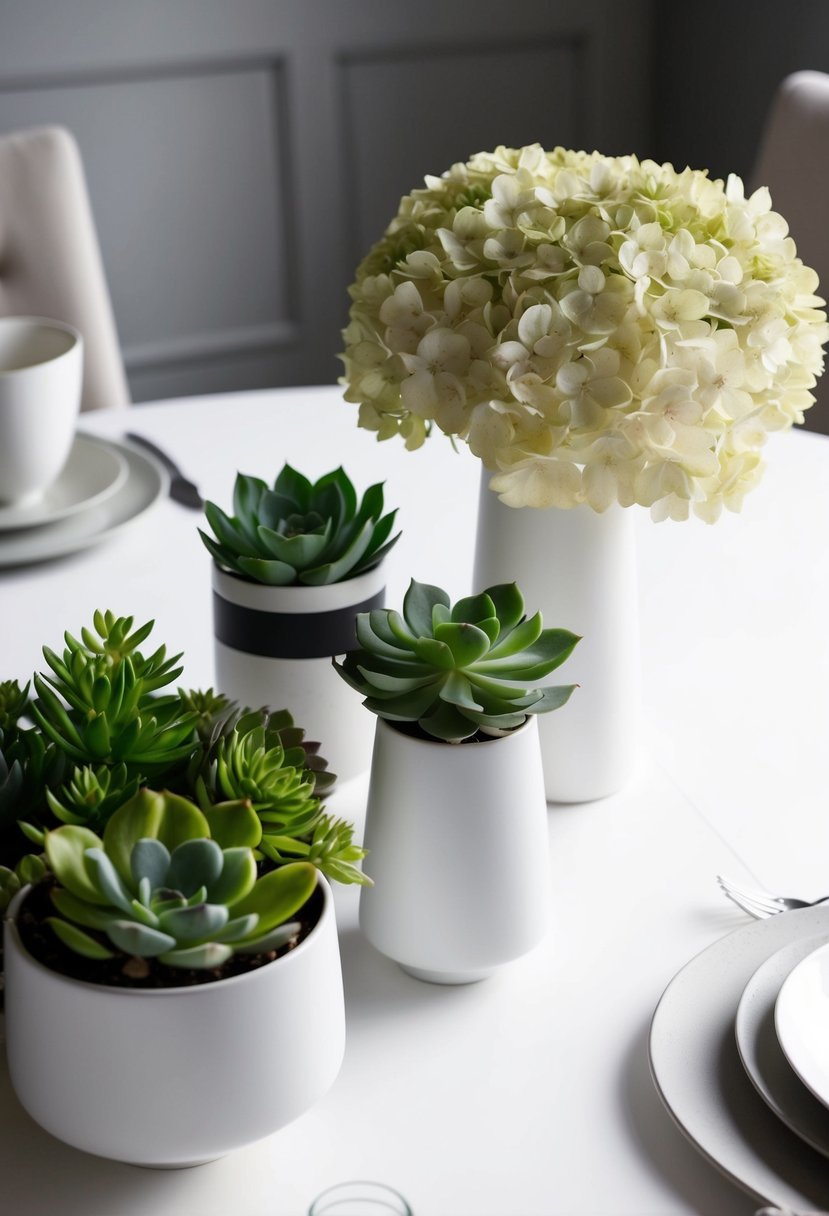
x=288 y=635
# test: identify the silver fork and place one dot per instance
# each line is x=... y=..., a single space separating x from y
x=759 y=903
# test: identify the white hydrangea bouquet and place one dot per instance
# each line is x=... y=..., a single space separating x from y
x=597 y=329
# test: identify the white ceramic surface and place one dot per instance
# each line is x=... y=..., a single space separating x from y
x=41 y=367
x=458 y=850
x=698 y=1074
x=145 y=483
x=319 y=700
x=94 y=472
x=579 y=568
x=177 y=1076
x=801 y=1018
x=760 y=1050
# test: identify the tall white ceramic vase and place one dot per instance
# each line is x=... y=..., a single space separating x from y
x=458 y=850
x=579 y=568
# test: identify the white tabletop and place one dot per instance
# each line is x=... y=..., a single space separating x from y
x=528 y=1094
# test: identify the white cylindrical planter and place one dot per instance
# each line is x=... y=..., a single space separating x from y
x=172 y=1077
x=579 y=568
x=458 y=850
x=273 y=646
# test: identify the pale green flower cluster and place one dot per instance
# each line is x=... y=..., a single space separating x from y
x=597 y=329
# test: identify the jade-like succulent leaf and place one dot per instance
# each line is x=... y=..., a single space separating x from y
x=418 y=603
x=474 y=609
x=133 y=938
x=198 y=958
x=236 y=929
x=150 y=860
x=234 y=824
x=269 y=571
x=105 y=877
x=270 y=941
x=77 y=940
x=196 y=924
x=167 y=817
x=65 y=850
x=237 y=878
x=467 y=642
x=278 y=895
x=81 y=911
x=194 y=864
x=295 y=551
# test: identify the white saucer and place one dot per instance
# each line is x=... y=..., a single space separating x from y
x=698 y=1073
x=94 y=471
x=801 y=1018
x=145 y=483
x=762 y=1055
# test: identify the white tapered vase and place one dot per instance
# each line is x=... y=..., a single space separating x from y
x=579 y=568
x=458 y=851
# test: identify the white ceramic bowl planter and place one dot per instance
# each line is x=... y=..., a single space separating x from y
x=458 y=847
x=273 y=646
x=173 y=1077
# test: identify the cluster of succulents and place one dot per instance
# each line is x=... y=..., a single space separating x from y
x=158 y=885
x=299 y=531
x=101 y=731
x=457 y=670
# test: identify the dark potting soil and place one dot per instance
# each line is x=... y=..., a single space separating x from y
x=121 y=972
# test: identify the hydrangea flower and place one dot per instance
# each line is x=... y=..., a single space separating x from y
x=597 y=329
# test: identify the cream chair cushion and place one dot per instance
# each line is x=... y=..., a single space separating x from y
x=793 y=161
x=50 y=260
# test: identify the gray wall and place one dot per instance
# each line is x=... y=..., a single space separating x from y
x=242 y=154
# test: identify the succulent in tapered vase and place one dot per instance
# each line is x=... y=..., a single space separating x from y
x=292 y=565
x=456 y=776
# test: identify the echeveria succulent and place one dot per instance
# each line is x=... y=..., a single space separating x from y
x=456 y=670
x=300 y=531
x=158 y=886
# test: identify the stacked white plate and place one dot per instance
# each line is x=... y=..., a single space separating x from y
x=739 y=1051
x=103 y=487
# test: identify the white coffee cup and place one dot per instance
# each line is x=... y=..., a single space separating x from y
x=41 y=369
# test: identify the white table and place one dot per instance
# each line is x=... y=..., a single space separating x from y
x=529 y=1094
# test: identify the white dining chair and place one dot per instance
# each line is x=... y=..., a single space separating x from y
x=793 y=161
x=50 y=259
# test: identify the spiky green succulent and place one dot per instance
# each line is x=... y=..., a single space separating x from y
x=456 y=670
x=263 y=758
x=105 y=726
x=300 y=531
x=157 y=885
x=101 y=703
x=14 y=701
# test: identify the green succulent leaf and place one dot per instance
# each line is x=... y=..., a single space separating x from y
x=278 y=895
x=196 y=924
x=66 y=853
x=149 y=860
x=234 y=824
x=237 y=878
x=418 y=602
x=134 y=938
x=467 y=642
x=194 y=864
x=267 y=570
x=77 y=940
x=169 y=818
x=198 y=958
